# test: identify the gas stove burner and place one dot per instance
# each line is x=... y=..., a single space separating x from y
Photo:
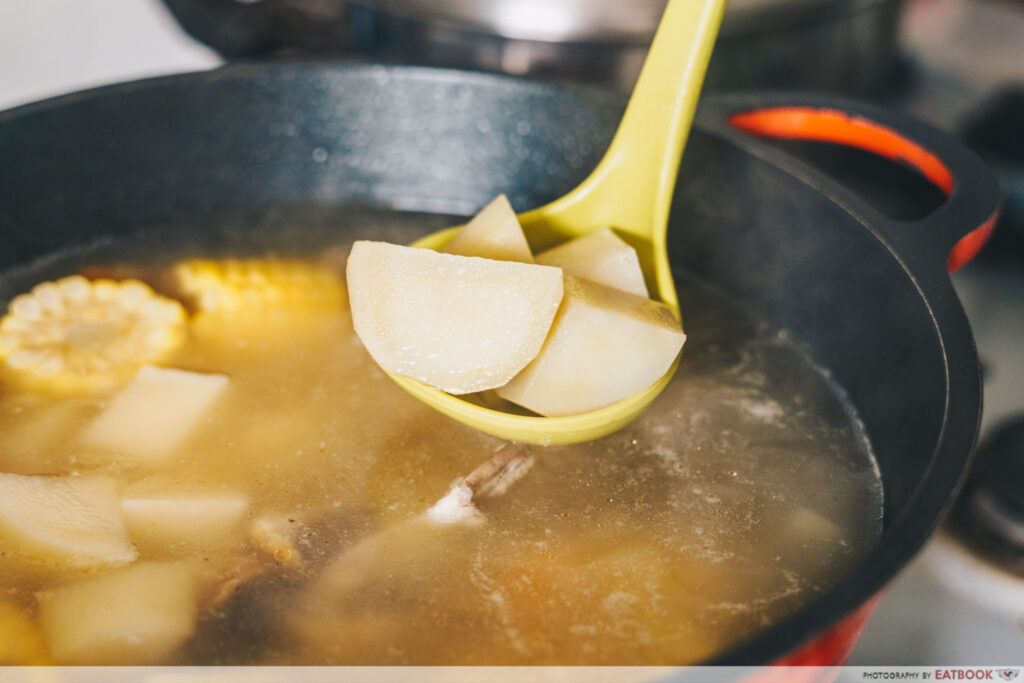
x=995 y=132
x=989 y=516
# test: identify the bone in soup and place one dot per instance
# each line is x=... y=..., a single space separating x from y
x=215 y=471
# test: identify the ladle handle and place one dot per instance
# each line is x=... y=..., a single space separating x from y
x=631 y=188
x=958 y=228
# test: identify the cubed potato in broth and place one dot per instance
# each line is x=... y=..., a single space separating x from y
x=136 y=615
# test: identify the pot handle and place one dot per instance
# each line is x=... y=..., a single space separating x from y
x=965 y=220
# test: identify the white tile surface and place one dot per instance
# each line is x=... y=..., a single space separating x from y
x=48 y=47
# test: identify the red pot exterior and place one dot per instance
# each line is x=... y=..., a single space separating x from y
x=833 y=647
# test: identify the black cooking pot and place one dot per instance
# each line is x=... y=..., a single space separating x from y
x=868 y=295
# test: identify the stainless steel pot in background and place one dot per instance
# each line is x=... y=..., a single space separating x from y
x=836 y=45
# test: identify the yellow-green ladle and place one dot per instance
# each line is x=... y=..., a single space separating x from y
x=630 y=191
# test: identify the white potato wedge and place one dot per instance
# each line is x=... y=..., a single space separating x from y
x=461 y=324
x=493 y=233
x=136 y=615
x=605 y=345
x=59 y=525
x=148 y=419
x=808 y=527
x=167 y=525
x=601 y=257
x=34 y=444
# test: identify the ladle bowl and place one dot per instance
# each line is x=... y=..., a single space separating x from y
x=630 y=191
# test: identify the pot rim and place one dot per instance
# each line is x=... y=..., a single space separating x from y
x=934 y=493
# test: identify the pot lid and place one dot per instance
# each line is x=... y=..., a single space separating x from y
x=605 y=20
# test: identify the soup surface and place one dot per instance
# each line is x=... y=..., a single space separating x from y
x=746 y=490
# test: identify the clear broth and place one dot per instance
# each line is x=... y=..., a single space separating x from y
x=748 y=489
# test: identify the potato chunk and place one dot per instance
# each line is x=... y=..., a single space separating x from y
x=60 y=524
x=493 y=233
x=601 y=257
x=154 y=414
x=605 y=345
x=458 y=323
x=137 y=615
x=34 y=443
x=162 y=525
x=808 y=527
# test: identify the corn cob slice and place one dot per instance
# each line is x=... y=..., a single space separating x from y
x=241 y=286
x=76 y=335
x=21 y=642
